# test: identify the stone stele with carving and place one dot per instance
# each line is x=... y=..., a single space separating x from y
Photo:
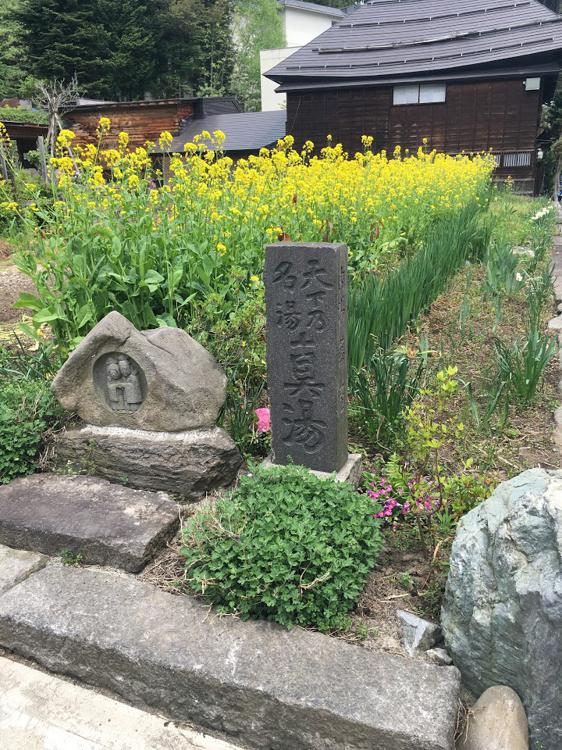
x=150 y=402
x=151 y=380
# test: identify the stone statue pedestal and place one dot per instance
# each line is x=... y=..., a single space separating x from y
x=149 y=401
x=189 y=464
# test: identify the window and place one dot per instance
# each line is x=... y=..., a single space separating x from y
x=419 y=93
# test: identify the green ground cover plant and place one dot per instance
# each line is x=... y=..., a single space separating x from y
x=19 y=114
x=28 y=411
x=285 y=546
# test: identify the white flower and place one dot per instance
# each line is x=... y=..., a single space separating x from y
x=541 y=213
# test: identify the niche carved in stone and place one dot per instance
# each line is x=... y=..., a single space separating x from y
x=120 y=382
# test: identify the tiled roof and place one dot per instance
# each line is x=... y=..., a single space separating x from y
x=245 y=131
x=388 y=38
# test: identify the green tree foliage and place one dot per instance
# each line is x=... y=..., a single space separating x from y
x=120 y=49
x=109 y=46
x=14 y=78
x=257 y=26
x=195 y=51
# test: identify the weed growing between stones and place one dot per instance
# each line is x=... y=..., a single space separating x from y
x=70 y=558
x=285 y=546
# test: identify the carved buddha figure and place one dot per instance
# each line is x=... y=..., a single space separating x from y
x=123 y=384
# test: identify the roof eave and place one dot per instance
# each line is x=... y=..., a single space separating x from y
x=308 y=84
x=325 y=10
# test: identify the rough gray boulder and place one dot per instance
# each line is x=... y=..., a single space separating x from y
x=188 y=464
x=418 y=635
x=502 y=611
x=158 y=380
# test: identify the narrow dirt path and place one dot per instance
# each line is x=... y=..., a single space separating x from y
x=12 y=284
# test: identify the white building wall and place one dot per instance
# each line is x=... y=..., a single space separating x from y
x=269 y=58
x=300 y=27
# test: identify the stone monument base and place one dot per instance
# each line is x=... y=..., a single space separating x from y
x=189 y=464
x=351 y=471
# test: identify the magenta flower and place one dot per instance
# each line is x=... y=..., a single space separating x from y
x=264 y=420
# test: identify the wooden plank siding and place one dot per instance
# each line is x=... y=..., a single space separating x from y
x=142 y=122
x=477 y=116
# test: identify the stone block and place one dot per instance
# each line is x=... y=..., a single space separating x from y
x=17 y=564
x=104 y=523
x=159 y=380
x=262 y=685
x=187 y=464
x=306 y=298
x=502 y=611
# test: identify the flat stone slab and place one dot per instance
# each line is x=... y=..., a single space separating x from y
x=17 y=564
x=188 y=464
x=258 y=683
x=105 y=523
x=41 y=712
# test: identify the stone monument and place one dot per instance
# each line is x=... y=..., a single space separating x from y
x=306 y=297
x=149 y=401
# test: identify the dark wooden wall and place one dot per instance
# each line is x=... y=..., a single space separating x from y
x=477 y=116
x=142 y=122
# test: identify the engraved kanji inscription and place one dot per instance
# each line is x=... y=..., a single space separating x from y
x=306 y=293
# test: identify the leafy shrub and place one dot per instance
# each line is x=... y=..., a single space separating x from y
x=435 y=503
x=285 y=546
x=27 y=411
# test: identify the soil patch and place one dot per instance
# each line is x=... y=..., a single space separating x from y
x=12 y=284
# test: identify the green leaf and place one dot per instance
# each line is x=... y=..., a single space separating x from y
x=47 y=315
x=27 y=300
x=152 y=280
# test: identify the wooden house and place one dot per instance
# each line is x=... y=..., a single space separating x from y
x=246 y=132
x=143 y=120
x=469 y=75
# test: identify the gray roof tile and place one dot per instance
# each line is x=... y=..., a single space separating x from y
x=245 y=131
x=386 y=38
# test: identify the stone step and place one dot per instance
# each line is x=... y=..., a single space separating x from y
x=259 y=684
x=41 y=712
x=105 y=523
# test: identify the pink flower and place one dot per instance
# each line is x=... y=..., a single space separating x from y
x=264 y=420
